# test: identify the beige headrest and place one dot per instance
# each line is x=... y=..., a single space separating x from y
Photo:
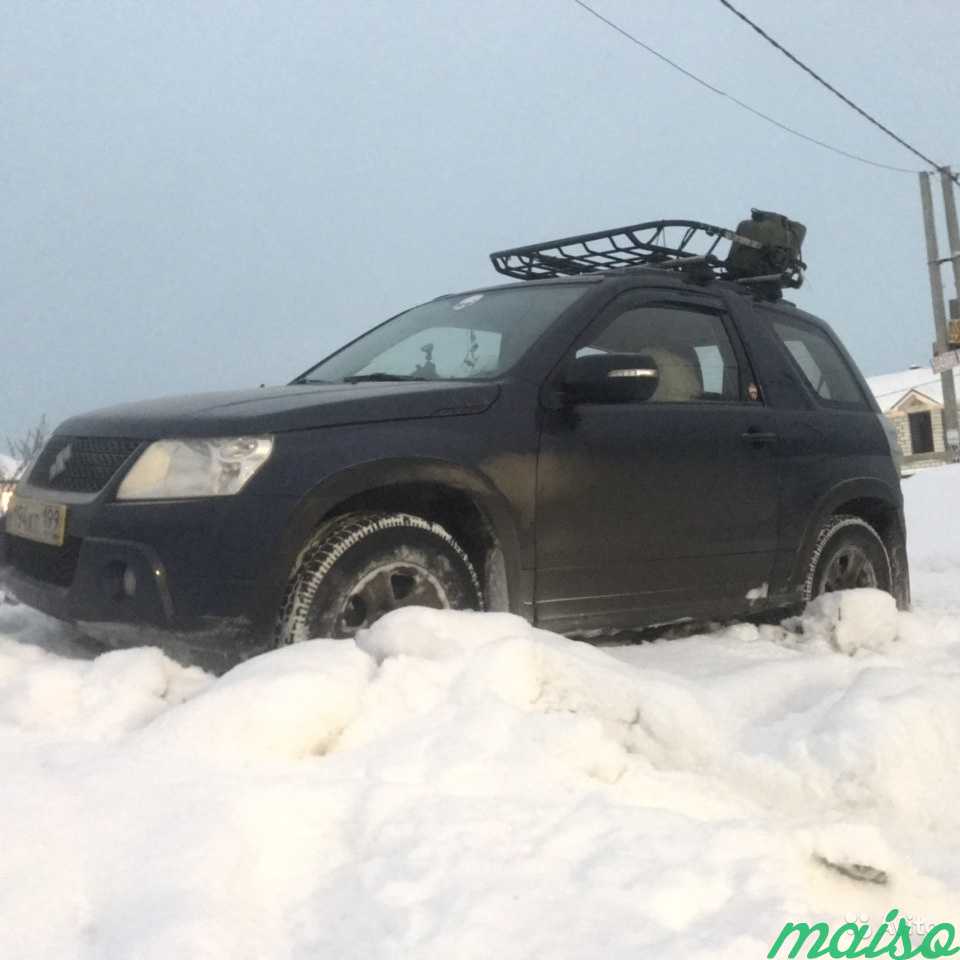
x=679 y=376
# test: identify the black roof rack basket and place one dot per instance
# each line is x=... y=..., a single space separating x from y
x=772 y=261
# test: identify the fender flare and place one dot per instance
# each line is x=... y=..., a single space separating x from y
x=854 y=489
x=374 y=475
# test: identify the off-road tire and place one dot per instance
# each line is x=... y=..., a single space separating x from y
x=353 y=553
x=844 y=535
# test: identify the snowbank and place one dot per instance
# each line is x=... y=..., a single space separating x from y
x=463 y=785
x=460 y=785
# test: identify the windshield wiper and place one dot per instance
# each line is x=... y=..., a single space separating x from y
x=384 y=378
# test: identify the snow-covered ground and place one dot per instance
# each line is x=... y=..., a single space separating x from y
x=463 y=786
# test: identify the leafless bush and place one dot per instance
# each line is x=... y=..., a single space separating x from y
x=23 y=449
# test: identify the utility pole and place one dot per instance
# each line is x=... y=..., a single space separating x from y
x=950 y=423
x=953 y=236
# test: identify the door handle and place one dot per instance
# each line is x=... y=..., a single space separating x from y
x=758 y=437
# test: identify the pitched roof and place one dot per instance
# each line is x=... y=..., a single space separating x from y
x=891 y=388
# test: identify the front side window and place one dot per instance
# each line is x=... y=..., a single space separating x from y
x=691 y=349
x=821 y=364
x=465 y=337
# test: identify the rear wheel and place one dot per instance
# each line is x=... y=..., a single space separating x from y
x=847 y=554
x=360 y=566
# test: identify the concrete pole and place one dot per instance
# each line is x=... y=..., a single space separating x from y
x=953 y=231
x=936 y=293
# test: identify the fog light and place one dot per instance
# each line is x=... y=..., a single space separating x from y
x=119 y=580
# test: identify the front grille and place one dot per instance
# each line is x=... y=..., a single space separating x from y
x=81 y=464
x=56 y=565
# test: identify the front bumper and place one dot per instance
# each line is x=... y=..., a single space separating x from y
x=187 y=576
x=120 y=595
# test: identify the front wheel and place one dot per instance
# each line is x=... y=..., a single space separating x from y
x=848 y=553
x=359 y=566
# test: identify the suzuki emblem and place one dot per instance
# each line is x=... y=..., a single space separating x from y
x=60 y=462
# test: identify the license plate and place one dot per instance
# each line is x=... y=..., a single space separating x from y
x=37 y=520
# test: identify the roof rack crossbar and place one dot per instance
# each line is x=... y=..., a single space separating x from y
x=683 y=263
x=769 y=278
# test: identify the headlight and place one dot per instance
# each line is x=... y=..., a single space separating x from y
x=169 y=469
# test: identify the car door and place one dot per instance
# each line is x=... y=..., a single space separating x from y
x=657 y=510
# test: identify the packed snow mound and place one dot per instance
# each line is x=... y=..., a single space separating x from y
x=286 y=705
x=464 y=785
x=852 y=620
x=42 y=692
x=554 y=701
x=109 y=696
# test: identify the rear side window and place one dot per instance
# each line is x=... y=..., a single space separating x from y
x=821 y=364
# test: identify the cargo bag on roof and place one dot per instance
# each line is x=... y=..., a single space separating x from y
x=779 y=240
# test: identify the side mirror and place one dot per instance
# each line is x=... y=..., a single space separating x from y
x=611 y=378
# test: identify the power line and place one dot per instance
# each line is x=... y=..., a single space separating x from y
x=816 y=76
x=722 y=93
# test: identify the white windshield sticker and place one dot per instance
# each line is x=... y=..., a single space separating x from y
x=468 y=301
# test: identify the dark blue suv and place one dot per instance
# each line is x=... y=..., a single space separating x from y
x=608 y=446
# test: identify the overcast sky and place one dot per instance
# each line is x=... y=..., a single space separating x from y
x=201 y=195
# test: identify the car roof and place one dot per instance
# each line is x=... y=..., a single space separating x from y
x=639 y=276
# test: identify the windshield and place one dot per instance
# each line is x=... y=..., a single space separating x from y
x=465 y=337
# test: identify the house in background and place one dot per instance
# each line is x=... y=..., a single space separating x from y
x=913 y=402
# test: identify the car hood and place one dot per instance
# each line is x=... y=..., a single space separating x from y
x=279 y=409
